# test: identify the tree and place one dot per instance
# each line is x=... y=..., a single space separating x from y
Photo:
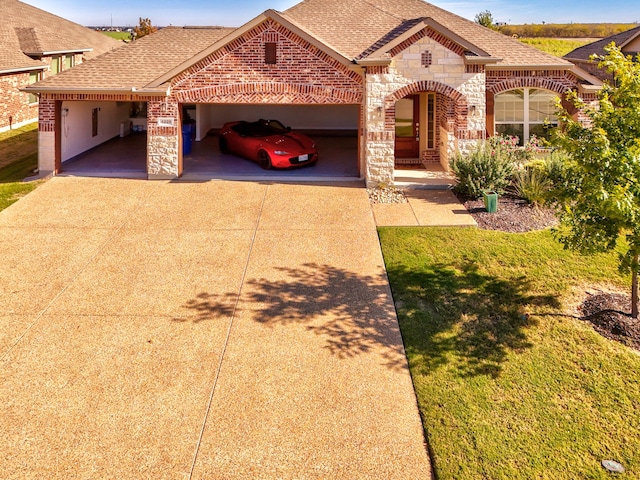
x=486 y=20
x=144 y=28
x=601 y=192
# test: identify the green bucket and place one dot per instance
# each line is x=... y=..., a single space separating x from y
x=490 y=200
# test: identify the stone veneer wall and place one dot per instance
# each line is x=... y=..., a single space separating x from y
x=163 y=142
x=445 y=73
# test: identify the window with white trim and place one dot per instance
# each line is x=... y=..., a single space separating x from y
x=525 y=112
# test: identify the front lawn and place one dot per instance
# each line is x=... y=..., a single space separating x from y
x=511 y=383
x=18 y=160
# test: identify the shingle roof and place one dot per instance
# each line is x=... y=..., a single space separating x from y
x=26 y=30
x=353 y=26
x=139 y=63
x=597 y=48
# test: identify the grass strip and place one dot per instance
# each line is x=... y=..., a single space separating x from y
x=511 y=383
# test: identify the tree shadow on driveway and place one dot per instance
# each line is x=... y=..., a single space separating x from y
x=353 y=313
x=457 y=315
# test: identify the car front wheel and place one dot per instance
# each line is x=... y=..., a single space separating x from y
x=264 y=159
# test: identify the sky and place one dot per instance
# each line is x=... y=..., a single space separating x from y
x=235 y=13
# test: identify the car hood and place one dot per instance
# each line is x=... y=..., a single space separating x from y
x=289 y=141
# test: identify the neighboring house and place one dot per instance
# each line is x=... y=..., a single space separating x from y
x=629 y=43
x=413 y=82
x=35 y=45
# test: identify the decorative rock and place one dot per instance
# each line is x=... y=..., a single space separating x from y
x=612 y=466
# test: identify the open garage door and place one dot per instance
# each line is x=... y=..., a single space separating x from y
x=334 y=128
x=104 y=139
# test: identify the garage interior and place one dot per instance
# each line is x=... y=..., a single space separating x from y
x=334 y=128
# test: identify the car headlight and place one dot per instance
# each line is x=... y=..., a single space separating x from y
x=281 y=152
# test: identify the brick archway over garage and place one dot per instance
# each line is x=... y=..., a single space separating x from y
x=269 y=92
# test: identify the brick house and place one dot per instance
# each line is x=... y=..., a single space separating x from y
x=628 y=41
x=35 y=46
x=413 y=82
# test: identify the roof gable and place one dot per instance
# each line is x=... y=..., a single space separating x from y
x=230 y=42
x=357 y=27
x=238 y=71
x=393 y=43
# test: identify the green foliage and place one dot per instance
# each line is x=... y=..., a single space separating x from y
x=125 y=36
x=487 y=167
x=509 y=385
x=542 y=180
x=568 y=30
x=485 y=19
x=602 y=200
x=144 y=28
x=532 y=185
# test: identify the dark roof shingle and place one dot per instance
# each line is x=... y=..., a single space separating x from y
x=26 y=30
x=140 y=62
x=597 y=48
x=354 y=26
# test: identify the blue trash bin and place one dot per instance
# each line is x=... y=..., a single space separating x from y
x=187 y=139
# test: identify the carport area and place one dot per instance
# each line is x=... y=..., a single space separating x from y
x=333 y=128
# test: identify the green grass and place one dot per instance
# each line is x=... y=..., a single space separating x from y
x=554 y=46
x=118 y=35
x=503 y=396
x=18 y=160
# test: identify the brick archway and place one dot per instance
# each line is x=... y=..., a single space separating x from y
x=531 y=82
x=276 y=93
x=460 y=105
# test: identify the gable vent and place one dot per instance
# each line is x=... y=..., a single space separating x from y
x=427 y=59
x=270 y=53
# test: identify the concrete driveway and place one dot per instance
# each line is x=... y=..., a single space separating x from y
x=200 y=330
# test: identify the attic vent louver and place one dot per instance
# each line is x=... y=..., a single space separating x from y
x=427 y=59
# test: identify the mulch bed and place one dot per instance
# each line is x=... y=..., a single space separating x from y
x=608 y=312
x=610 y=315
x=513 y=215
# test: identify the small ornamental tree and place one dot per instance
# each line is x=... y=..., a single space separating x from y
x=600 y=196
x=144 y=28
x=486 y=20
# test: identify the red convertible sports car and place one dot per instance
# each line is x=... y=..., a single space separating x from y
x=269 y=143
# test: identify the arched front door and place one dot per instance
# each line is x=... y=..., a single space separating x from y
x=408 y=127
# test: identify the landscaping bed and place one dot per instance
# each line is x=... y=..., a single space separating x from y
x=513 y=215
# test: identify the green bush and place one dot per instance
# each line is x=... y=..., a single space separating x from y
x=532 y=184
x=488 y=167
x=538 y=182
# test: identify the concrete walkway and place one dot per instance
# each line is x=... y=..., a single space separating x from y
x=425 y=208
x=200 y=330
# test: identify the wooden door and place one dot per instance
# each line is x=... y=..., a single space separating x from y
x=407 y=127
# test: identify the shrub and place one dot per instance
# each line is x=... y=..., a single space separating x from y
x=537 y=182
x=532 y=184
x=488 y=167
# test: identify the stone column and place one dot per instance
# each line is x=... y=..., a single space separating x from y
x=163 y=139
x=379 y=139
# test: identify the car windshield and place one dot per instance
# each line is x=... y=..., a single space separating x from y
x=261 y=128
